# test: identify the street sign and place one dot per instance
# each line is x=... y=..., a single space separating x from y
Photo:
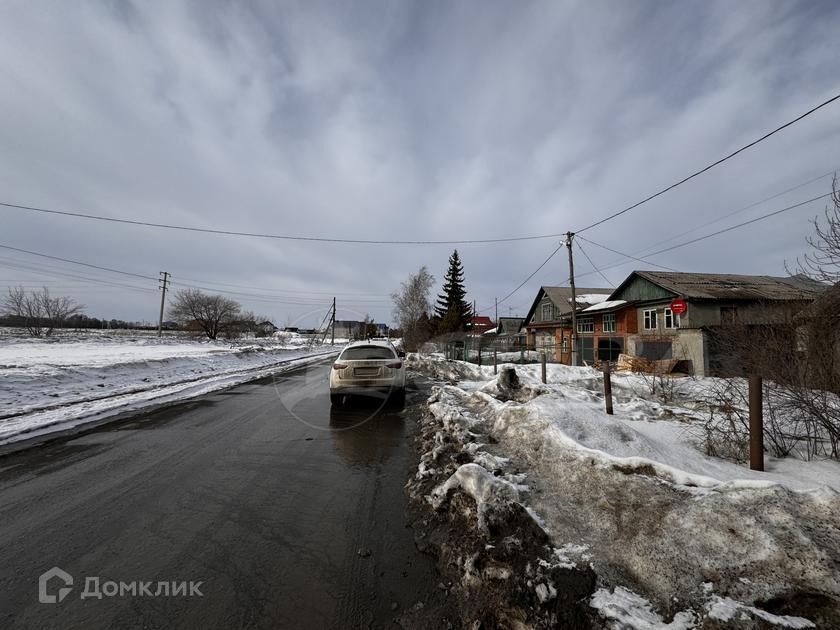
x=678 y=306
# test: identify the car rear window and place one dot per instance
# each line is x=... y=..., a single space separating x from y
x=359 y=353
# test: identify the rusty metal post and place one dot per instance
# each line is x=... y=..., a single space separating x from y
x=479 y=354
x=608 y=388
x=542 y=365
x=495 y=361
x=756 y=424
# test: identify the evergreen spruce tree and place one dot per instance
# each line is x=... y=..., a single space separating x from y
x=452 y=312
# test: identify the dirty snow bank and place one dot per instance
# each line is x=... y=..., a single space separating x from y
x=57 y=383
x=671 y=533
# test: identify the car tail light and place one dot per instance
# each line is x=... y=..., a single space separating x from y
x=339 y=366
x=395 y=364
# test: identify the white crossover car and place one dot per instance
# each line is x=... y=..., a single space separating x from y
x=368 y=368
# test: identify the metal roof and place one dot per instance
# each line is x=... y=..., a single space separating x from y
x=726 y=286
x=562 y=298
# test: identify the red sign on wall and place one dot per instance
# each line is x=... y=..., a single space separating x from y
x=678 y=306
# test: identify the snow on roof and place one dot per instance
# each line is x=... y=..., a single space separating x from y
x=590 y=298
x=603 y=306
x=492 y=331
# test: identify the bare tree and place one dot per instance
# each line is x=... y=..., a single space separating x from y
x=412 y=306
x=823 y=262
x=212 y=314
x=38 y=311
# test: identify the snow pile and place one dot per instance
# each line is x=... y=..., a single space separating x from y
x=602 y=306
x=693 y=535
x=485 y=489
x=56 y=383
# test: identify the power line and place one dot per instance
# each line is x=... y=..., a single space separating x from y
x=740 y=225
x=718 y=232
x=284 y=237
x=740 y=210
x=263 y=297
x=712 y=165
x=521 y=284
x=76 y=262
x=31 y=268
x=601 y=273
x=290 y=292
x=609 y=249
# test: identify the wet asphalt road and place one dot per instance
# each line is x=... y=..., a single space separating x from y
x=290 y=514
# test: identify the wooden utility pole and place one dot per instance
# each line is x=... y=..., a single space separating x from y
x=332 y=325
x=569 y=237
x=164 y=281
x=497 y=315
x=608 y=388
x=756 y=424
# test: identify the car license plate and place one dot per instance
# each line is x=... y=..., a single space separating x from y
x=366 y=371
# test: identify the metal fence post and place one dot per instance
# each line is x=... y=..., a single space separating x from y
x=756 y=424
x=608 y=388
x=542 y=365
x=495 y=361
x=479 y=355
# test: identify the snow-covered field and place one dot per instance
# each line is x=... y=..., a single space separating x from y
x=60 y=382
x=677 y=539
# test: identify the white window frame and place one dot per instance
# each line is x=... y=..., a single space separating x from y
x=650 y=320
x=564 y=343
x=550 y=315
x=608 y=325
x=590 y=321
x=674 y=319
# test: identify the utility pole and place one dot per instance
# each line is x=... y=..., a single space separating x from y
x=497 y=315
x=332 y=325
x=569 y=237
x=164 y=281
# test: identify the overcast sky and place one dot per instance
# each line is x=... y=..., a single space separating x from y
x=402 y=120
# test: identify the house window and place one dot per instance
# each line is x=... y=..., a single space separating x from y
x=564 y=344
x=650 y=319
x=609 y=348
x=608 y=322
x=672 y=320
x=547 y=311
x=654 y=350
x=586 y=325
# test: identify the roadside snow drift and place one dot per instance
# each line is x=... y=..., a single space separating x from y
x=53 y=384
x=677 y=539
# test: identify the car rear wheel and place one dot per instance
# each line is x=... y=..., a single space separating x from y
x=398 y=398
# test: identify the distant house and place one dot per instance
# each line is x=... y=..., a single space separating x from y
x=349 y=329
x=550 y=313
x=507 y=334
x=266 y=328
x=479 y=324
x=714 y=301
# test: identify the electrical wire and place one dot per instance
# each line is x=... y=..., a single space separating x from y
x=719 y=232
x=266 y=297
x=710 y=166
x=583 y=251
x=521 y=284
x=740 y=210
x=614 y=251
x=284 y=237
